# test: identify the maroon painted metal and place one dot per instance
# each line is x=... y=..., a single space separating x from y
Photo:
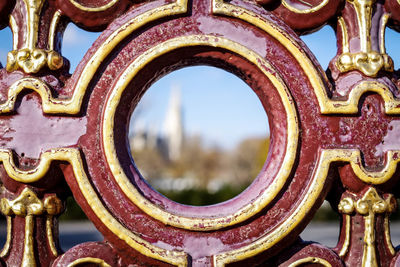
x=333 y=134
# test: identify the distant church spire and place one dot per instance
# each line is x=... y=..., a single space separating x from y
x=173 y=125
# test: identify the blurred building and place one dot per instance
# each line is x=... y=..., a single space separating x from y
x=169 y=141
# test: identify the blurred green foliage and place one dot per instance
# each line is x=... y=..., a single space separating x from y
x=202 y=197
x=73 y=211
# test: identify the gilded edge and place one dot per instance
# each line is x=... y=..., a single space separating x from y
x=326 y=157
x=345 y=35
x=110 y=4
x=6 y=249
x=72 y=156
x=53 y=29
x=30 y=58
x=346 y=206
x=370 y=204
x=15 y=31
x=73 y=105
x=28 y=258
x=346 y=244
x=327 y=105
x=98 y=262
x=50 y=235
x=195 y=223
x=382 y=30
x=311 y=260
x=28 y=205
x=387 y=235
x=292 y=8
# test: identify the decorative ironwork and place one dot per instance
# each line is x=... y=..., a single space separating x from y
x=321 y=126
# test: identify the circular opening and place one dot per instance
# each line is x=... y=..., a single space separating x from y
x=199 y=135
x=266 y=83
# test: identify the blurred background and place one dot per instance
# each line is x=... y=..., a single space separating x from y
x=199 y=135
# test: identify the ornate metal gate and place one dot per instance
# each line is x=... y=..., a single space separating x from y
x=335 y=135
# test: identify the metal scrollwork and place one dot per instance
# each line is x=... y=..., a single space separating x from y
x=334 y=132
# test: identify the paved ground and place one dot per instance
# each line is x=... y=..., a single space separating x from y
x=79 y=232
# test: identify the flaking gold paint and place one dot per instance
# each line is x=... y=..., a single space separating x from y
x=6 y=249
x=387 y=235
x=193 y=223
x=305 y=10
x=50 y=105
x=25 y=205
x=50 y=236
x=350 y=106
x=366 y=60
x=86 y=260
x=370 y=204
x=382 y=30
x=110 y=4
x=15 y=31
x=346 y=206
x=291 y=222
x=326 y=157
x=345 y=35
x=327 y=105
x=73 y=104
x=345 y=248
x=310 y=260
x=28 y=258
x=53 y=29
x=72 y=156
x=29 y=58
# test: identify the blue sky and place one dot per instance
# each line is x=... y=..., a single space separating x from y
x=205 y=89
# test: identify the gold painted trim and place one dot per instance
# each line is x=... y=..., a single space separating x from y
x=370 y=204
x=312 y=260
x=387 y=235
x=33 y=10
x=290 y=223
x=345 y=35
x=94 y=9
x=28 y=258
x=346 y=243
x=53 y=29
x=353 y=156
x=50 y=236
x=73 y=105
x=50 y=105
x=363 y=10
x=15 y=31
x=97 y=261
x=33 y=175
x=379 y=177
x=366 y=60
x=30 y=58
x=72 y=156
x=219 y=7
x=178 y=258
x=369 y=63
x=382 y=30
x=7 y=245
x=175 y=8
x=327 y=106
x=326 y=157
x=307 y=10
x=350 y=106
x=155 y=211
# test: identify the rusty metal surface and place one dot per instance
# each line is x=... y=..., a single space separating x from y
x=334 y=134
